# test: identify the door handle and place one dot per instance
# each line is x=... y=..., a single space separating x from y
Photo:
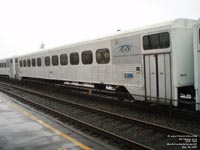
x=161 y=73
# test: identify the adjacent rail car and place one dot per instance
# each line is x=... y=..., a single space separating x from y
x=7 y=68
x=150 y=63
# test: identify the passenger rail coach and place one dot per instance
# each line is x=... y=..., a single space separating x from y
x=159 y=62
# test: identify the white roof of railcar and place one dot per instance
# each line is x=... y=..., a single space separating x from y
x=188 y=23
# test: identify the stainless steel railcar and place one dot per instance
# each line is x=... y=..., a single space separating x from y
x=155 y=61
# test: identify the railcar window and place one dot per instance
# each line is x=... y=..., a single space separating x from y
x=87 y=57
x=47 y=60
x=156 y=41
x=11 y=61
x=55 y=60
x=199 y=36
x=33 y=62
x=63 y=59
x=146 y=42
x=16 y=60
x=74 y=58
x=24 y=63
x=103 y=56
x=164 y=40
x=20 y=63
x=28 y=62
x=39 y=62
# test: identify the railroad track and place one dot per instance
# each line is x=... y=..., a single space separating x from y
x=110 y=97
x=82 y=109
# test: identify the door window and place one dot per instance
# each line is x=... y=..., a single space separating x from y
x=156 y=41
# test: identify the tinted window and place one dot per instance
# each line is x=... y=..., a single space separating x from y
x=156 y=41
x=33 y=62
x=29 y=62
x=63 y=59
x=103 y=56
x=164 y=40
x=47 y=61
x=74 y=58
x=199 y=36
x=16 y=60
x=87 y=57
x=20 y=63
x=146 y=42
x=24 y=63
x=39 y=62
x=55 y=60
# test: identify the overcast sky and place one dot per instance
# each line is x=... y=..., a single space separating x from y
x=25 y=24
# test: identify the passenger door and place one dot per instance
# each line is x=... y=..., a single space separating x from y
x=17 y=70
x=158 y=76
x=11 y=66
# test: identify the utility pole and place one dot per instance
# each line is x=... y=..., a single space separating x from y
x=42 y=46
